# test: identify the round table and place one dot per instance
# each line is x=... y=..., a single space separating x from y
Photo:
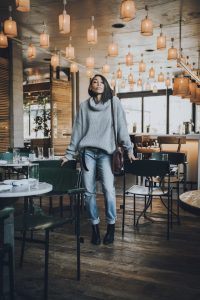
x=191 y=201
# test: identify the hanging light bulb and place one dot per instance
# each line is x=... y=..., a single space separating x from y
x=167 y=81
x=44 y=38
x=92 y=34
x=119 y=73
x=172 y=52
x=23 y=5
x=10 y=26
x=161 y=76
x=64 y=20
x=69 y=51
x=89 y=73
x=130 y=77
x=106 y=67
x=90 y=61
x=3 y=38
x=73 y=67
x=127 y=10
x=129 y=58
x=55 y=60
x=161 y=40
x=31 y=51
x=152 y=71
x=139 y=82
x=113 y=48
x=142 y=65
x=147 y=25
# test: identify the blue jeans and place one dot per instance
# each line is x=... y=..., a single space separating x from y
x=98 y=160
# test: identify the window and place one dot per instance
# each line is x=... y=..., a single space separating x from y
x=133 y=110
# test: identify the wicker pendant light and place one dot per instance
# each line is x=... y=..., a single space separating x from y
x=127 y=10
x=106 y=67
x=112 y=48
x=172 y=52
x=90 y=61
x=92 y=34
x=31 y=51
x=161 y=40
x=44 y=38
x=129 y=58
x=181 y=86
x=23 y=5
x=10 y=26
x=152 y=71
x=73 y=67
x=142 y=65
x=161 y=76
x=119 y=73
x=3 y=38
x=64 y=21
x=146 y=25
x=69 y=51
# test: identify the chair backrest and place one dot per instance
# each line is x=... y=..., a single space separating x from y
x=6 y=156
x=166 y=140
x=62 y=179
x=148 y=168
x=175 y=158
x=56 y=163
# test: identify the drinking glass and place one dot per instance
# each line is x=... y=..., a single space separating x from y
x=139 y=156
x=51 y=153
x=164 y=156
x=16 y=155
x=40 y=153
x=33 y=175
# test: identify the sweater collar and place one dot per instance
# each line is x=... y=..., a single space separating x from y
x=99 y=106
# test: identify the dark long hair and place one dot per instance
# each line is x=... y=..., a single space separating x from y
x=107 y=94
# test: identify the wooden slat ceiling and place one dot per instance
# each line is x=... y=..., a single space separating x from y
x=106 y=14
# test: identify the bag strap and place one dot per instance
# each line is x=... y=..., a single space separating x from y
x=113 y=119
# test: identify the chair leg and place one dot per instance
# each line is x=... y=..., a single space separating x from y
x=50 y=206
x=22 y=248
x=78 y=236
x=1 y=273
x=124 y=204
x=134 y=211
x=11 y=273
x=61 y=206
x=46 y=264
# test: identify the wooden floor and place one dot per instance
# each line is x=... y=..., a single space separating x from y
x=141 y=266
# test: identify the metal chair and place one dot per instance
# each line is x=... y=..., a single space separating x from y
x=64 y=180
x=148 y=169
x=171 y=140
x=6 y=249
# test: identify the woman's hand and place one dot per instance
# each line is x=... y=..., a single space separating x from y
x=64 y=160
x=131 y=157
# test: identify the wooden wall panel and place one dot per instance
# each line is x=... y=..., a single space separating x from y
x=61 y=115
x=4 y=107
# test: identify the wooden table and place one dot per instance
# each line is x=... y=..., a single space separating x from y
x=191 y=201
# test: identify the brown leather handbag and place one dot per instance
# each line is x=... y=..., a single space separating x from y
x=118 y=154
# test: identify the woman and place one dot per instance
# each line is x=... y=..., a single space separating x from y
x=93 y=138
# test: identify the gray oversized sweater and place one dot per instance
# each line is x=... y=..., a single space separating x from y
x=93 y=127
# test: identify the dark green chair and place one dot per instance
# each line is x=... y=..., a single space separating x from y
x=71 y=164
x=6 y=249
x=67 y=182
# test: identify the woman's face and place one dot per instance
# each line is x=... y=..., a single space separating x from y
x=97 y=85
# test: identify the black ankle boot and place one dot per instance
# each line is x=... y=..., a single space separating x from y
x=96 y=240
x=109 y=237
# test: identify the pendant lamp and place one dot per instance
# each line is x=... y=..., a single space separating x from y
x=92 y=34
x=161 y=40
x=73 y=68
x=127 y=10
x=44 y=38
x=142 y=65
x=172 y=52
x=90 y=61
x=23 y=5
x=129 y=58
x=147 y=25
x=161 y=76
x=139 y=82
x=55 y=61
x=130 y=78
x=31 y=51
x=119 y=73
x=10 y=26
x=113 y=82
x=113 y=48
x=181 y=86
x=168 y=81
x=106 y=67
x=64 y=21
x=152 y=71
x=89 y=73
x=69 y=51
x=3 y=38
x=123 y=84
